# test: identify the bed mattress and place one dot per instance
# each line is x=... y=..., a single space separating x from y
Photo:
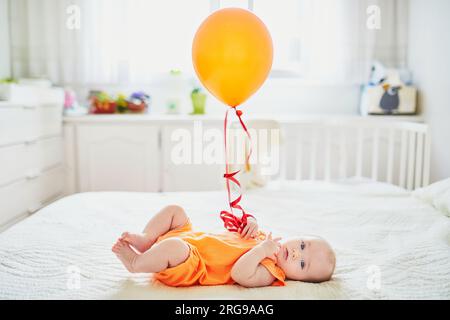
x=389 y=245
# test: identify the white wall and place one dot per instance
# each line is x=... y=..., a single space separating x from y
x=429 y=60
x=4 y=40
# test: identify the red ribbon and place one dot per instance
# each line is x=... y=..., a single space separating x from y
x=231 y=222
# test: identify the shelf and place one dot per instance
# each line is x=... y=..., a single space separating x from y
x=125 y=118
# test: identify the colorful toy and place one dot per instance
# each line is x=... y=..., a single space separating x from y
x=198 y=101
x=389 y=100
x=232 y=53
x=101 y=102
x=122 y=103
x=71 y=105
x=69 y=99
x=138 y=101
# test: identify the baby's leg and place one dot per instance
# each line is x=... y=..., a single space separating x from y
x=168 y=218
x=166 y=254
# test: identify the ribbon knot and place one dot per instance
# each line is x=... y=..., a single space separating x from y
x=233 y=223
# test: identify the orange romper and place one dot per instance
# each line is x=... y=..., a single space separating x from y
x=211 y=258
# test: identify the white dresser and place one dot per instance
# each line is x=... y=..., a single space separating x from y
x=133 y=153
x=31 y=151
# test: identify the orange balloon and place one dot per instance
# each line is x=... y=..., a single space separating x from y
x=232 y=54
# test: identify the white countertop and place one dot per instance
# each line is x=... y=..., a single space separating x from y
x=217 y=117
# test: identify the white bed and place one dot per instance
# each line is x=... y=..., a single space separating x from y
x=372 y=226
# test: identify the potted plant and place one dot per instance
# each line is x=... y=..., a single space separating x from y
x=198 y=101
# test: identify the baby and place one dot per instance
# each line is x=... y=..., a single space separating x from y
x=179 y=256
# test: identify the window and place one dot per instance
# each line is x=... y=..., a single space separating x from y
x=123 y=41
x=282 y=19
x=119 y=41
x=139 y=39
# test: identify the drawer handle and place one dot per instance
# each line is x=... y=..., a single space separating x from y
x=29 y=107
x=31 y=141
x=33 y=175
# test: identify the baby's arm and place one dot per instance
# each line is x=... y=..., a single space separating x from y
x=248 y=271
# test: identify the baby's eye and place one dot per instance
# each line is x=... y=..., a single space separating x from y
x=302 y=264
x=302 y=246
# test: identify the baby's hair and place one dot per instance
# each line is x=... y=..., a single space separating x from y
x=331 y=257
x=331 y=254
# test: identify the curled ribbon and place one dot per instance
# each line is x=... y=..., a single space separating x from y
x=231 y=222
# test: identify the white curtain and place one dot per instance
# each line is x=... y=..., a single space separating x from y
x=129 y=41
x=119 y=41
x=338 y=46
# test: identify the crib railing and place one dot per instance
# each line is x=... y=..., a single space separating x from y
x=382 y=150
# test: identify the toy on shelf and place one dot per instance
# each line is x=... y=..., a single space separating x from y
x=388 y=92
x=71 y=106
x=138 y=102
x=198 y=101
x=121 y=103
x=101 y=103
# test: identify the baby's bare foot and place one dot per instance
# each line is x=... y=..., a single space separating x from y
x=140 y=242
x=125 y=254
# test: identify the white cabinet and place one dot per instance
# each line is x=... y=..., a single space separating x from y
x=118 y=157
x=187 y=164
x=135 y=153
x=31 y=152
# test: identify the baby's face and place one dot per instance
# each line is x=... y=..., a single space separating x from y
x=306 y=259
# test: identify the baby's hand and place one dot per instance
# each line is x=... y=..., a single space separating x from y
x=271 y=246
x=250 y=230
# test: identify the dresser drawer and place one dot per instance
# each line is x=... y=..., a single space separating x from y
x=46 y=153
x=49 y=119
x=18 y=93
x=45 y=187
x=18 y=124
x=24 y=160
x=25 y=93
x=13 y=201
x=13 y=163
x=29 y=195
x=28 y=123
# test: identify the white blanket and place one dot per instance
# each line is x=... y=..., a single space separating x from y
x=389 y=245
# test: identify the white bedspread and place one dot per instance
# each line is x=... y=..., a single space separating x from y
x=373 y=227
